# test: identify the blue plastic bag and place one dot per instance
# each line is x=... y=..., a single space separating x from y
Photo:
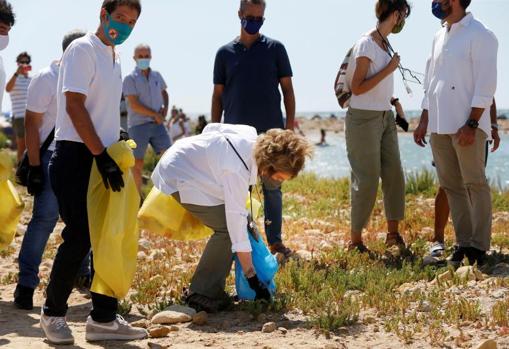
x=265 y=265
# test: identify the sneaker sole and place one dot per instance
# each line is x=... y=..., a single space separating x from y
x=58 y=341
x=94 y=337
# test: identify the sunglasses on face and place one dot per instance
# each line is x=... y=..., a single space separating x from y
x=24 y=62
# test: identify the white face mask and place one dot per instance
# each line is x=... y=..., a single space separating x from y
x=4 y=42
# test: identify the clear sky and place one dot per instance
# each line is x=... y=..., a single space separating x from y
x=185 y=36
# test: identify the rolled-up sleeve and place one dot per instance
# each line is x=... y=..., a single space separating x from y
x=236 y=190
x=484 y=58
x=425 y=100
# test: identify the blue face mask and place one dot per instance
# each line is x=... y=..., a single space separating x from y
x=116 y=32
x=143 y=63
x=438 y=11
x=250 y=26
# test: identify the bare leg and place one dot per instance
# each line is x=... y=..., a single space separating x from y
x=393 y=226
x=441 y=215
x=137 y=170
x=20 y=147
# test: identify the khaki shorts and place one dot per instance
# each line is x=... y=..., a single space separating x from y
x=18 y=126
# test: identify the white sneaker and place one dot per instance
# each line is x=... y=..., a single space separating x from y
x=437 y=249
x=56 y=330
x=117 y=329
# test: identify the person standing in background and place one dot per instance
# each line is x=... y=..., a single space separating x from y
x=147 y=105
x=461 y=83
x=7 y=20
x=17 y=87
x=247 y=75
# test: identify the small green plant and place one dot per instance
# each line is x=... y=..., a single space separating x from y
x=124 y=307
x=9 y=279
x=500 y=313
x=421 y=182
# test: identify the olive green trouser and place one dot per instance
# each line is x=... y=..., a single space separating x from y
x=461 y=172
x=373 y=152
x=209 y=279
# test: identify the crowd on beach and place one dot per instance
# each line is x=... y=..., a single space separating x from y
x=68 y=117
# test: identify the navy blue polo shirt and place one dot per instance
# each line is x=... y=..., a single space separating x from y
x=251 y=82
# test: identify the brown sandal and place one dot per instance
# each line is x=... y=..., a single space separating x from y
x=394 y=239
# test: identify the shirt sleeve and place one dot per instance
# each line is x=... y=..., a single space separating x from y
x=40 y=95
x=425 y=100
x=284 y=68
x=219 y=69
x=129 y=87
x=163 y=83
x=78 y=69
x=484 y=58
x=365 y=49
x=236 y=189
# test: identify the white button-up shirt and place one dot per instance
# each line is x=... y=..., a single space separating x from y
x=205 y=171
x=462 y=74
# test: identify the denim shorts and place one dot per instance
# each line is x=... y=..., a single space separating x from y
x=149 y=133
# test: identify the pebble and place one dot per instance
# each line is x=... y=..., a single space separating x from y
x=283 y=330
x=151 y=345
x=489 y=344
x=158 y=332
x=181 y=309
x=424 y=307
x=498 y=294
x=303 y=254
x=200 y=318
x=143 y=323
x=269 y=327
x=171 y=317
x=469 y=273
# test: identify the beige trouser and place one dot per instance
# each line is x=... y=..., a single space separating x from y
x=461 y=172
x=215 y=264
x=373 y=152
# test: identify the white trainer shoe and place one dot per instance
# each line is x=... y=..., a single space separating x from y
x=117 y=329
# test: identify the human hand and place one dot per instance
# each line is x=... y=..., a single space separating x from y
x=159 y=119
x=496 y=140
x=35 y=181
x=262 y=293
x=466 y=136
x=420 y=134
x=394 y=63
x=110 y=172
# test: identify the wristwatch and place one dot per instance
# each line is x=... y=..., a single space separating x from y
x=394 y=101
x=494 y=126
x=472 y=123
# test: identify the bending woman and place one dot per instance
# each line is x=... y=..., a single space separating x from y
x=371 y=135
x=210 y=175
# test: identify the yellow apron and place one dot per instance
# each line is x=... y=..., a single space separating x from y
x=113 y=226
x=11 y=204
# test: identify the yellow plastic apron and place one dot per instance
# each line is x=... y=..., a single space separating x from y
x=11 y=205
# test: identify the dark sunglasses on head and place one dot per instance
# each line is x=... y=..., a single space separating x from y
x=255 y=19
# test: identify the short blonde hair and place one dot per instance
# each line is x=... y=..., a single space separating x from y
x=281 y=151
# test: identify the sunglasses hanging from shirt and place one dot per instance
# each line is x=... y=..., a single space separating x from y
x=409 y=76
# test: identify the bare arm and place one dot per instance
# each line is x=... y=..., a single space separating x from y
x=81 y=121
x=33 y=122
x=166 y=101
x=289 y=100
x=139 y=108
x=12 y=81
x=217 y=104
x=360 y=84
x=493 y=112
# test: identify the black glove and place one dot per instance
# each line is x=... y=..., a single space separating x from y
x=110 y=172
x=261 y=290
x=401 y=122
x=35 y=180
x=124 y=136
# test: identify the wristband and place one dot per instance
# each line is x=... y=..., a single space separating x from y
x=494 y=126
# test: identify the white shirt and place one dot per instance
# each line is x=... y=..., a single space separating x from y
x=19 y=94
x=462 y=75
x=42 y=99
x=205 y=170
x=378 y=98
x=91 y=68
x=3 y=78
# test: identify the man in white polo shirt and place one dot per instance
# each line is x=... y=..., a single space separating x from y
x=88 y=100
x=461 y=83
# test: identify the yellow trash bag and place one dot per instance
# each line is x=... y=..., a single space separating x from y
x=163 y=215
x=113 y=226
x=11 y=204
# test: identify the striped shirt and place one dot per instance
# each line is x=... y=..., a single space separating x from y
x=19 y=95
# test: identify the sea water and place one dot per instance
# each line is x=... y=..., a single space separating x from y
x=331 y=161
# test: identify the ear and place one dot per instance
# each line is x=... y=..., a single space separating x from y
x=240 y=14
x=103 y=15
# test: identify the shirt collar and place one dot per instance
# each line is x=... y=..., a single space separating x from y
x=138 y=72
x=261 y=38
x=465 y=21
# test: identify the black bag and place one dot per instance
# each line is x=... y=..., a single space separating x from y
x=24 y=165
